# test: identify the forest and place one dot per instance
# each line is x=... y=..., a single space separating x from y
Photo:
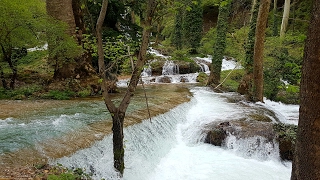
x=71 y=49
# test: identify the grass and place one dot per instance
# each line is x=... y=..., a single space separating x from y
x=233 y=80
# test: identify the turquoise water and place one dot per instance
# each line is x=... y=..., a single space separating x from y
x=22 y=132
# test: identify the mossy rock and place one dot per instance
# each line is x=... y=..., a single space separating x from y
x=286 y=135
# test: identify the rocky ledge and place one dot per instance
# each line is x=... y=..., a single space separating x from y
x=259 y=124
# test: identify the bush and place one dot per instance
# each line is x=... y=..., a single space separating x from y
x=85 y=92
x=181 y=55
x=19 y=93
x=232 y=81
x=289 y=94
x=202 y=78
x=59 y=95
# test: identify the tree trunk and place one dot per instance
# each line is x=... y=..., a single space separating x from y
x=220 y=44
x=6 y=55
x=258 y=50
x=306 y=163
x=70 y=12
x=118 y=113
x=3 y=80
x=285 y=18
x=275 y=18
x=62 y=10
x=118 y=146
x=245 y=86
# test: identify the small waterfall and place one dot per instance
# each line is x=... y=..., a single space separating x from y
x=203 y=66
x=170 y=68
x=256 y=147
x=147 y=71
x=145 y=144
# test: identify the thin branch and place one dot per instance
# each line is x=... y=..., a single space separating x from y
x=226 y=77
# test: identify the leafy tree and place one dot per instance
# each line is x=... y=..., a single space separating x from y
x=220 y=42
x=65 y=40
x=177 y=33
x=245 y=87
x=21 y=25
x=192 y=26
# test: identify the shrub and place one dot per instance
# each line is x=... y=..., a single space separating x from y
x=202 y=78
x=59 y=95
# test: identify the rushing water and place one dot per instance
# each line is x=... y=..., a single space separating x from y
x=53 y=129
x=171 y=148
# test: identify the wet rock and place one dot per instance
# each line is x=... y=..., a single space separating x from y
x=184 y=79
x=217 y=135
x=164 y=79
x=286 y=137
x=245 y=128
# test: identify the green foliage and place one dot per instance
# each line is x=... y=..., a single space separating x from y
x=22 y=25
x=207 y=42
x=177 y=33
x=19 y=93
x=202 y=78
x=192 y=27
x=116 y=53
x=85 y=92
x=32 y=57
x=236 y=42
x=233 y=80
x=286 y=131
x=220 y=43
x=19 y=22
x=182 y=55
x=283 y=62
x=59 y=95
x=249 y=46
x=289 y=94
x=63 y=48
x=62 y=173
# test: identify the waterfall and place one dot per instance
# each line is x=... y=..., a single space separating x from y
x=170 y=68
x=145 y=144
x=170 y=147
x=147 y=71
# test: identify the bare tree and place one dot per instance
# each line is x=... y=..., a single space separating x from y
x=285 y=18
x=258 y=50
x=118 y=113
x=306 y=162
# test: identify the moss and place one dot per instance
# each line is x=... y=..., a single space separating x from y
x=286 y=136
x=119 y=154
x=260 y=117
x=233 y=80
x=202 y=78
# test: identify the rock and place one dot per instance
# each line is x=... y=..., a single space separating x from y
x=217 y=136
x=286 y=137
x=165 y=79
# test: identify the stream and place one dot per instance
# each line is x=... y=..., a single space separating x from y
x=77 y=134
x=171 y=147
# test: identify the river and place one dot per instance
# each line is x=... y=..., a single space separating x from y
x=171 y=147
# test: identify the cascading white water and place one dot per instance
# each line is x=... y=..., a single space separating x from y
x=170 y=68
x=170 y=148
x=147 y=71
